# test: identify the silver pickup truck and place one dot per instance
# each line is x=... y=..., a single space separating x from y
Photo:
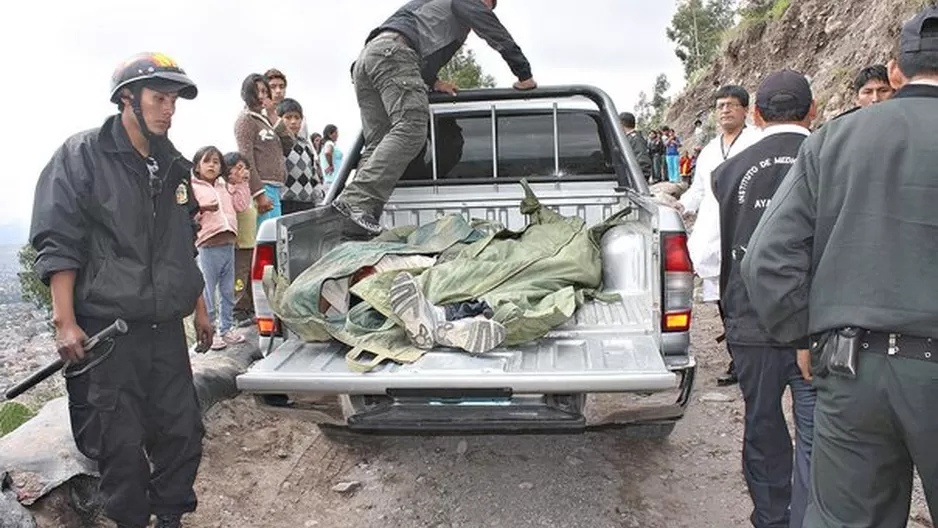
x=623 y=365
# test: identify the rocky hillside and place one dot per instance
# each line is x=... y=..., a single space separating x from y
x=827 y=41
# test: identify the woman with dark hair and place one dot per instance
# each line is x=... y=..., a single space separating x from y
x=262 y=144
x=331 y=156
x=316 y=139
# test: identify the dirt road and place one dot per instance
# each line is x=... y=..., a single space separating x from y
x=267 y=471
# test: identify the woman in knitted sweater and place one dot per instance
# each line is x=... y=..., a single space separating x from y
x=263 y=145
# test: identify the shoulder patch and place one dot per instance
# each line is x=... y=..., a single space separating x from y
x=182 y=194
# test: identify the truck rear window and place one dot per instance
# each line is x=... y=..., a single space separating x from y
x=524 y=147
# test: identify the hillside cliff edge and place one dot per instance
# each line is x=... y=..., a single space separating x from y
x=827 y=41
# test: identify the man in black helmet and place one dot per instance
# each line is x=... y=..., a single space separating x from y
x=113 y=228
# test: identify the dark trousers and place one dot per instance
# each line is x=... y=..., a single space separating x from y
x=137 y=408
x=290 y=206
x=777 y=478
x=869 y=433
x=244 y=295
x=731 y=370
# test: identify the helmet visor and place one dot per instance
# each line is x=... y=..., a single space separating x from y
x=170 y=82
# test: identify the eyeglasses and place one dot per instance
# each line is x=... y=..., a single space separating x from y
x=728 y=106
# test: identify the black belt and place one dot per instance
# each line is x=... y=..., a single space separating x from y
x=912 y=347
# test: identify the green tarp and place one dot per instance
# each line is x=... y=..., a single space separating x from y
x=534 y=280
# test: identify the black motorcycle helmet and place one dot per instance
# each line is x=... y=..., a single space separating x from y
x=150 y=70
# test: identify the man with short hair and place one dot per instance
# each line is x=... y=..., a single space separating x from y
x=871 y=85
x=114 y=235
x=278 y=92
x=638 y=143
x=659 y=168
x=845 y=254
x=732 y=105
x=744 y=186
x=399 y=64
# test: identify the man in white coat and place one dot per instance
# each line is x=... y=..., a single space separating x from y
x=732 y=106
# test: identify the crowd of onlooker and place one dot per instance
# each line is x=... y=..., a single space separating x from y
x=279 y=167
x=660 y=153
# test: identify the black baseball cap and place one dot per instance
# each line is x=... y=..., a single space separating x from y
x=783 y=91
x=911 y=40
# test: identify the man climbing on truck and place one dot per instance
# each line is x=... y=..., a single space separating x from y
x=398 y=65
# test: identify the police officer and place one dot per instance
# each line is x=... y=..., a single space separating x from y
x=638 y=143
x=846 y=254
x=113 y=228
x=743 y=187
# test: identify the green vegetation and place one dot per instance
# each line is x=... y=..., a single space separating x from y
x=650 y=114
x=772 y=10
x=33 y=290
x=13 y=415
x=697 y=29
x=465 y=72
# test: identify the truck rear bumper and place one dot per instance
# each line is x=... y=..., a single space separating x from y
x=487 y=411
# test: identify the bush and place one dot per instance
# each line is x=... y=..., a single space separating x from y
x=13 y=415
x=763 y=13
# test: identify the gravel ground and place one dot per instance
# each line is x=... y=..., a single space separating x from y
x=269 y=470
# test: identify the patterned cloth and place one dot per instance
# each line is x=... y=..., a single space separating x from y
x=302 y=183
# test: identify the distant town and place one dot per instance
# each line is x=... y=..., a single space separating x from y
x=9 y=278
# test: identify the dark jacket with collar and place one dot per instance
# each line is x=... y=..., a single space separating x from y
x=640 y=147
x=96 y=212
x=851 y=236
x=744 y=186
x=436 y=29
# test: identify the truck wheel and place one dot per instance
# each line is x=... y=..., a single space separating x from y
x=649 y=431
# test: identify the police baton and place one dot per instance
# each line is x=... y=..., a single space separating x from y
x=117 y=328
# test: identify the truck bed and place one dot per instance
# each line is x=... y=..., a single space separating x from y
x=605 y=348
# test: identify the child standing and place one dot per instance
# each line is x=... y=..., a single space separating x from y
x=239 y=169
x=331 y=157
x=302 y=190
x=685 y=166
x=219 y=202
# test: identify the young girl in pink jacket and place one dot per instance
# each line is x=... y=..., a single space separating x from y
x=219 y=202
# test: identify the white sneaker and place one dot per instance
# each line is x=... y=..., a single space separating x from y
x=419 y=316
x=218 y=342
x=426 y=324
x=232 y=337
x=476 y=335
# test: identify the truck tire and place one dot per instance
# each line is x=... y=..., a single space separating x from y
x=649 y=431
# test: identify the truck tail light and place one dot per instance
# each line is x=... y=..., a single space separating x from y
x=267 y=325
x=678 y=283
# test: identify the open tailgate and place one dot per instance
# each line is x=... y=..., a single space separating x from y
x=605 y=348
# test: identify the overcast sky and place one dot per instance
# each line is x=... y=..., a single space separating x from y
x=60 y=56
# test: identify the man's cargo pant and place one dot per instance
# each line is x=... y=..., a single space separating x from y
x=137 y=408
x=395 y=113
x=777 y=481
x=868 y=434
